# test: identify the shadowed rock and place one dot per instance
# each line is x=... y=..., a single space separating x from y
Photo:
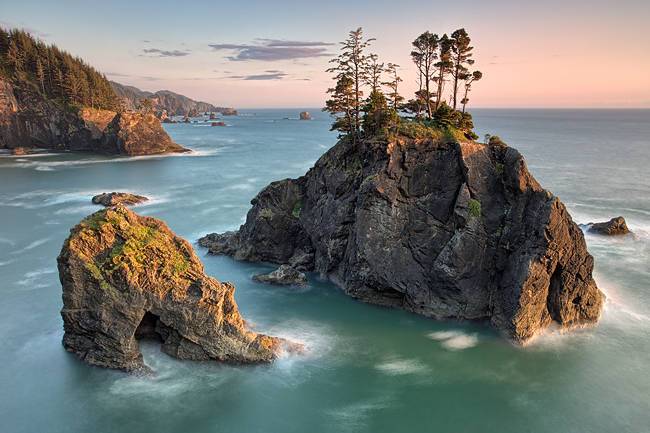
x=127 y=277
x=284 y=275
x=444 y=229
x=613 y=227
x=114 y=198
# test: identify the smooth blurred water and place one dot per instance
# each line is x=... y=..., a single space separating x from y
x=368 y=369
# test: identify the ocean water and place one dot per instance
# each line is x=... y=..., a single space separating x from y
x=367 y=369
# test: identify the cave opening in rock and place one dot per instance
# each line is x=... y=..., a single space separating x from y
x=149 y=328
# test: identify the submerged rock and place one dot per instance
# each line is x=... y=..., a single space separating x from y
x=444 y=229
x=613 y=227
x=218 y=123
x=284 y=275
x=127 y=277
x=114 y=198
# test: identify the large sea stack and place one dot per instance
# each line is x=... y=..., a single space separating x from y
x=444 y=228
x=127 y=277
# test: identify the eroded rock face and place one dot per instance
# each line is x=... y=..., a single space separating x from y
x=285 y=275
x=132 y=133
x=29 y=120
x=614 y=227
x=115 y=198
x=447 y=230
x=126 y=277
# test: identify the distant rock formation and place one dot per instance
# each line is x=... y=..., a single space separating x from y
x=446 y=229
x=116 y=198
x=284 y=275
x=173 y=103
x=304 y=115
x=615 y=226
x=27 y=120
x=126 y=277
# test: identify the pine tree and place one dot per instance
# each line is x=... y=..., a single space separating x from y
x=352 y=64
x=424 y=55
x=469 y=79
x=444 y=65
x=341 y=105
x=40 y=74
x=462 y=58
x=374 y=69
x=393 y=86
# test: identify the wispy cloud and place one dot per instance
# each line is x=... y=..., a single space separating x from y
x=155 y=52
x=275 y=75
x=274 y=49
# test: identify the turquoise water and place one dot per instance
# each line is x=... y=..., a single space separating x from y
x=367 y=369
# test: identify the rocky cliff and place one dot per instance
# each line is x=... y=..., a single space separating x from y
x=28 y=119
x=172 y=103
x=127 y=277
x=446 y=229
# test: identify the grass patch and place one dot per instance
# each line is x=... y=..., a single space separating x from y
x=474 y=208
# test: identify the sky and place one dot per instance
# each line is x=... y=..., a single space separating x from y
x=255 y=54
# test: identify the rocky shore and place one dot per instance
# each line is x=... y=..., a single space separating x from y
x=126 y=277
x=28 y=120
x=442 y=228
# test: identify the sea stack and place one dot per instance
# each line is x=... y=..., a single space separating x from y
x=444 y=227
x=304 y=115
x=127 y=277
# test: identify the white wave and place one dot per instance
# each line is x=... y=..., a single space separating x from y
x=53 y=165
x=454 y=340
x=6 y=262
x=399 y=367
x=352 y=417
x=7 y=241
x=35 y=279
x=317 y=340
x=35 y=244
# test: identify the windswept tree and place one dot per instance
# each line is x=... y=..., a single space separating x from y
x=374 y=69
x=469 y=79
x=341 y=105
x=393 y=86
x=444 y=65
x=352 y=63
x=424 y=55
x=461 y=58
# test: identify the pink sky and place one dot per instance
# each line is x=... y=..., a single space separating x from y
x=571 y=53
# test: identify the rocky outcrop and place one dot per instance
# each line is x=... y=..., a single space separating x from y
x=132 y=133
x=109 y=199
x=614 y=227
x=284 y=275
x=127 y=277
x=29 y=120
x=172 y=103
x=304 y=115
x=444 y=229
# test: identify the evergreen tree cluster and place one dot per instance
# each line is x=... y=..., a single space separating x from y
x=440 y=60
x=54 y=73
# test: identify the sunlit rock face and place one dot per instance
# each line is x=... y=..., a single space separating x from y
x=127 y=277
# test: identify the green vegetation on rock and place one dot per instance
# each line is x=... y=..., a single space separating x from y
x=474 y=207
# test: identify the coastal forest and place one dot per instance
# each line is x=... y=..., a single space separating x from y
x=53 y=73
x=441 y=61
